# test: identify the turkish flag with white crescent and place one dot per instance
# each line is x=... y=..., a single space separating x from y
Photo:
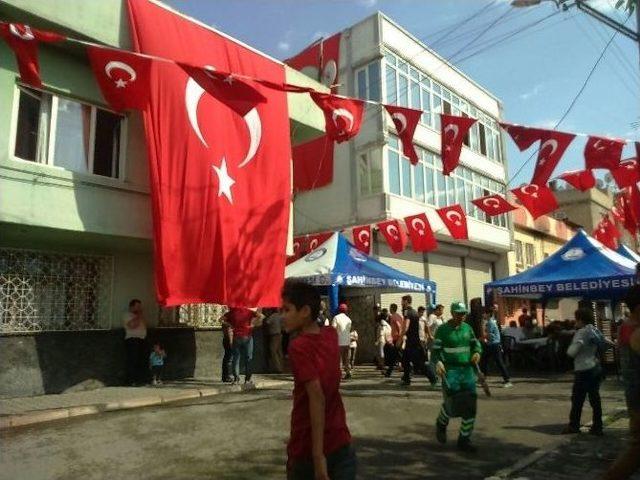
x=522 y=136
x=607 y=233
x=405 y=120
x=420 y=233
x=219 y=180
x=493 y=204
x=321 y=61
x=123 y=77
x=314 y=241
x=455 y=220
x=625 y=202
x=537 y=199
x=23 y=40
x=343 y=116
x=553 y=144
x=618 y=210
x=627 y=174
x=394 y=235
x=601 y=152
x=633 y=207
x=452 y=133
x=582 y=180
x=362 y=238
x=300 y=249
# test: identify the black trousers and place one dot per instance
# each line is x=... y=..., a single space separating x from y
x=415 y=357
x=586 y=384
x=136 y=360
x=390 y=357
x=226 y=360
x=494 y=351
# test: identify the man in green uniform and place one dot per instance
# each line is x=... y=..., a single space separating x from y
x=456 y=352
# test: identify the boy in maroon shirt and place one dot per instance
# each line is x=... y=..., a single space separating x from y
x=320 y=443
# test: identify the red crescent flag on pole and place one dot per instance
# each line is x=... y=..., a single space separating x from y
x=405 y=120
x=601 y=152
x=452 y=133
x=420 y=233
x=627 y=174
x=553 y=144
x=321 y=61
x=493 y=204
x=343 y=116
x=607 y=233
x=537 y=199
x=123 y=77
x=23 y=40
x=362 y=238
x=582 y=180
x=207 y=165
x=455 y=220
x=393 y=234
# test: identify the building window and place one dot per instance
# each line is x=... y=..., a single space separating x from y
x=41 y=291
x=369 y=174
x=76 y=136
x=519 y=255
x=368 y=81
x=530 y=255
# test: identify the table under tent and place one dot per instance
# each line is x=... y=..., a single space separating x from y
x=341 y=272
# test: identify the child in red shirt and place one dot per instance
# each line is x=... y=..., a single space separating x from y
x=320 y=443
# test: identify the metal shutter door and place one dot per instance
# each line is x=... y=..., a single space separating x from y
x=408 y=262
x=478 y=273
x=446 y=271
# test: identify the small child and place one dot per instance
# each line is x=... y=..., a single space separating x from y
x=156 y=363
x=320 y=442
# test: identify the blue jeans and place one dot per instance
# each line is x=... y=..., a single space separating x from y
x=242 y=346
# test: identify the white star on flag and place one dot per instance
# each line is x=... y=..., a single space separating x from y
x=225 y=182
x=121 y=83
x=228 y=80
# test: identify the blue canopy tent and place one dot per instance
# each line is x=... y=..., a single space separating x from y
x=583 y=267
x=338 y=264
x=627 y=252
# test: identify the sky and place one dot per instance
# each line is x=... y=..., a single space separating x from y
x=536 y=73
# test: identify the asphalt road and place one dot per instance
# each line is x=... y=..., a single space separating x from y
x=243 y=436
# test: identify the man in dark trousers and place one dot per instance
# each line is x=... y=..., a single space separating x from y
x=413 y=355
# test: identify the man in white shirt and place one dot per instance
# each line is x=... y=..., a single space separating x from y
x=135 y=332
x=435 y=320
x=342 y=323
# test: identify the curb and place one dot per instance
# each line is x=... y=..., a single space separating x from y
x=533 y=457
x=10 y=422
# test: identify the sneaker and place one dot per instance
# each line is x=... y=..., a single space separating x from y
x=507 y=385
x=569 y=430
x=236 y=381
x=465 y=445
x=441 y=433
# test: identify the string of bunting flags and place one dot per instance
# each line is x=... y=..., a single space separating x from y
x=123 y=78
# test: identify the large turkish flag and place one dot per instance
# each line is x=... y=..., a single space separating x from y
x=220 y=180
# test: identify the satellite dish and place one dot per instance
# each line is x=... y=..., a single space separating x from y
x=608 y=178
x=599 y=183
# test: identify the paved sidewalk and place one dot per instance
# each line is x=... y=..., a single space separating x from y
x=21 y=411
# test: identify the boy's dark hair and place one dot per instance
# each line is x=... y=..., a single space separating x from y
x=488 y=309
x=408 y=299
x=300 y=294
x=421 y=309
x=439 y=306
x=585 y=315
x=513 y=324
x=633 y=297
x=133 y=301
x=393 y=307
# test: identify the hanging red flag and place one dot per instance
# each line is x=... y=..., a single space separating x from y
x=362 y=238
x=634 y=205
x=320 y=61
x=420 y=233
x=627 y=174
x=522 y=136
x=123 y=77
x=455 y=220
x=312 y=164
x=207 y=164
x=394 y=235
x=283 y=87
x=618 y=210
x=630 y=223
x=607 y=233
x=537 y=199
x=23 y=40
x=343 y=116
x=314 y=241
x=582 y=180
x=452 y=133
x=600 y=152
x=552 y=146
x=299 y=249
x=405 y=120
x=493 y=204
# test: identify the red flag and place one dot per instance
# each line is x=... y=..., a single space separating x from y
x=23 y=40
x=343 y=116
x=493 y=204
x=552 y=146
x=618 y=210
x=283 y=87
x=362 y=238
x=394 y=234
x=420 y=233
x=219 y=180
x=236 y=94
x=630 y=222
x=455 y=220
x=123 y=77
x=607 y=233
x=300 y=249
x=523 y=137
x=634 y=205
x=627 y=174
x=321 y=60
x=538 y=199
x=314 y=241
x=452 y=133
x=582 y=180
x=405 y=120
x=600 y=152
x=312 y=164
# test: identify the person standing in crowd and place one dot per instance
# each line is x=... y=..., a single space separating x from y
x=397 y=325
x=353 y=348
x=227 y=342
x=493 y=347
x=513 y=330
x=385 y=340
x=524 y=317
x=423 y=329
x=323 y=319
x=475 y=317
x=434 y=321
x=156 y=363
x=274 y=334
x=628 y=462
x=413 y=354
x=456 y=352
x=531 y=329
x=383 y=315
x=135 y=333
x=241 y=320
x=587 y=372
x=320 y=443
x=342 y=323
